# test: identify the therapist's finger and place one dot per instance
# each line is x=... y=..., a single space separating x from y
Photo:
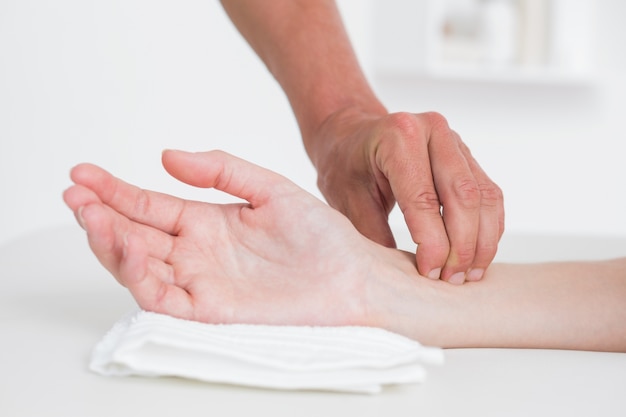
x=460 y=196
x=403 y=157
x=491 y=219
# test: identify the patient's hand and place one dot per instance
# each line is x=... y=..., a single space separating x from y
x=284 y=258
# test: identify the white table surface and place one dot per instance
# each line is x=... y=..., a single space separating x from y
x=56 y=302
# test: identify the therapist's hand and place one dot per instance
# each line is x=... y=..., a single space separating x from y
x=454 y=212
x=366 y=161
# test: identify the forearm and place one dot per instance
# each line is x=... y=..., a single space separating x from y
x=573 y=305
x=305 y=46
x=569 y=305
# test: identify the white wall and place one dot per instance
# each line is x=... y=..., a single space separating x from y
x=116 y=82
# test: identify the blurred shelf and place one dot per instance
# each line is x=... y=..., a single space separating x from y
x=539 y=76
x=542 y=42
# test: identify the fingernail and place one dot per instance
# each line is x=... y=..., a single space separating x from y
x=475 y=274
x=435 y=273
x=457 y=278
x=79 y=217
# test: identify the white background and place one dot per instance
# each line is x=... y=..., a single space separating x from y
x=115 y=82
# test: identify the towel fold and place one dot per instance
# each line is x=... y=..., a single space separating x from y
x=351 y=359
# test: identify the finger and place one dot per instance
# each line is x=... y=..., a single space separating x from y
x=101 y=235
x=225 y=172
x=78 y=196
x=491 y=223
x=157 y=210
x=106 y=229
x=106 y=238
x=150 y=291
x=403 y=158
x=460 y=196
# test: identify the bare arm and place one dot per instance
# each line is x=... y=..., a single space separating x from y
x=567 y=305
x=305 y=46
x=564 y=305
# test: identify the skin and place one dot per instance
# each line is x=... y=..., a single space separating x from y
x=368 y=159
x=284 y=257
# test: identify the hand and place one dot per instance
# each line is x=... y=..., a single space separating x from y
x=454 y=212
x=284 y=257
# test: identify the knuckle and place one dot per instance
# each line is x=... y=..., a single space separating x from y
x=486 y=251
x=403 y=131
x=403 y=123
x=439 y=249
x=491 y=194
x=158 y=303
x=437 y=120
x=467 y=192
x=464 y=253
x=410 y=126
x=435 y=248
x=427 y=200
x=408 y=132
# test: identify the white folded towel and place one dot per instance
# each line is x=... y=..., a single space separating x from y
x=352 y=359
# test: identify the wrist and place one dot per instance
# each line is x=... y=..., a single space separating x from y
x=321 y=138
x=402 y=301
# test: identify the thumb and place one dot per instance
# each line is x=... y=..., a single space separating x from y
x=225 y=172
x=370 y=219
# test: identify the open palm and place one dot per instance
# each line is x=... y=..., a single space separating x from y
x=283 y=258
